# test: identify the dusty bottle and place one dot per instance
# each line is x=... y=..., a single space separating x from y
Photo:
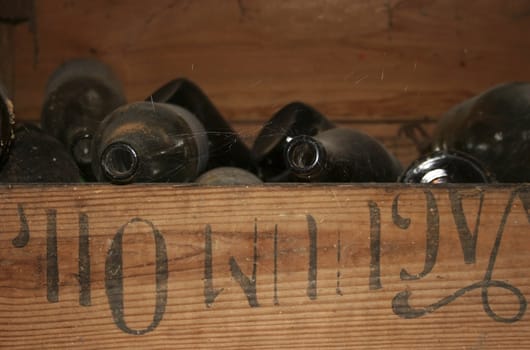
x=225 y=147
x=446 y=167
x=149 y=142
x=7 y=120
x=340 y=155
x=79 y=94
x=493 y=127
x=227 y=176
x=292 y=120
x=36 y=156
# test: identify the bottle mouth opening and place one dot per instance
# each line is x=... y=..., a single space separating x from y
x=119 y=161
x=303 y=154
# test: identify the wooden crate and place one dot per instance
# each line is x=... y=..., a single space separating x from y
x=273 y=266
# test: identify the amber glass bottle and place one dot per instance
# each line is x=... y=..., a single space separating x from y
x=292 y=120
x=226 y=148
x=79 y=94
x=340 y=155
x=493 y=127
x=150 y=142
x=36 y=156
x=446 y=167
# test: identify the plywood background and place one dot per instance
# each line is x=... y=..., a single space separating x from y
x=371 y=64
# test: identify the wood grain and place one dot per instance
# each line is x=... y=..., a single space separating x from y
x=383 y=59
x=7 y=56
x=15 y=11
x=278 y=231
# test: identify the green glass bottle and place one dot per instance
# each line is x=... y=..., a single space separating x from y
x=294 y=119
x=149 y=142
x=79 y=95
x=340 y=155
x=37 y=157
x=494 y=128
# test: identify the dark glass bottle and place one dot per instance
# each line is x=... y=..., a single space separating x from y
x=79 y=94
x=292 y=120
x=493 y=127
x=226 y=176
x=7 y=120
x=149 y=142
x=340 y=155
x=36 y=156
x=446 y=167
x=225 y=146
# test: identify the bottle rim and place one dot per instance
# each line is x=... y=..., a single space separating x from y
x=304 y=155
x=119 y=162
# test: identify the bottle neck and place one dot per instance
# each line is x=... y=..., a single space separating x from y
x=79 y=142
x=305 y=157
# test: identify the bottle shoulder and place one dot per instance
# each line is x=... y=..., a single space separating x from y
x=444 y=166
x=150 y=141
x=81 y=69
x=295 y=118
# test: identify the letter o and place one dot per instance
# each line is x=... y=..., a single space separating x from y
x=114 y=279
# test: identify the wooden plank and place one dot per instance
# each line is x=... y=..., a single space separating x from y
x=15 y=11
x=264 y=267
x=6 y=59
x=11 y=13
x=383 y=59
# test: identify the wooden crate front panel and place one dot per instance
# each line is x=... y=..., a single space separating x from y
x=344 y=266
